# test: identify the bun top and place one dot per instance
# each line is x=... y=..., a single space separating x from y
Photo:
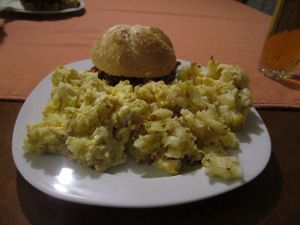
x=134 y=51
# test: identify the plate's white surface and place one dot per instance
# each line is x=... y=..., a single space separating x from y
x=16 y=6
x=129 y=185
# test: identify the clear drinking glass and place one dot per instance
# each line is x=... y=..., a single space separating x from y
x=280 y=56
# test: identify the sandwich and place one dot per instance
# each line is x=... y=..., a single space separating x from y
x=133 y=52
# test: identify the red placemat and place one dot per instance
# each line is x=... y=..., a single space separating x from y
x=32 y=46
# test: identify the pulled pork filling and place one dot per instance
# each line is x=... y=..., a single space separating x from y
x=114 y=80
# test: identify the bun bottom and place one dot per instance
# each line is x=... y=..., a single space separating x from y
x=114 y=80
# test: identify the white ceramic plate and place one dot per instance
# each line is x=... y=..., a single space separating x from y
x=16 y=6
x=129 y=185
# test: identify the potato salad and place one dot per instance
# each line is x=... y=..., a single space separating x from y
x=190 y=121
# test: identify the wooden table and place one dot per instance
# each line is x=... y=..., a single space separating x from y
x=272 y=198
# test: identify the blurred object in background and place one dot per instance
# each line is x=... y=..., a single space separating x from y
x=265 y=6
x=281 y=52
x=49 y=5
